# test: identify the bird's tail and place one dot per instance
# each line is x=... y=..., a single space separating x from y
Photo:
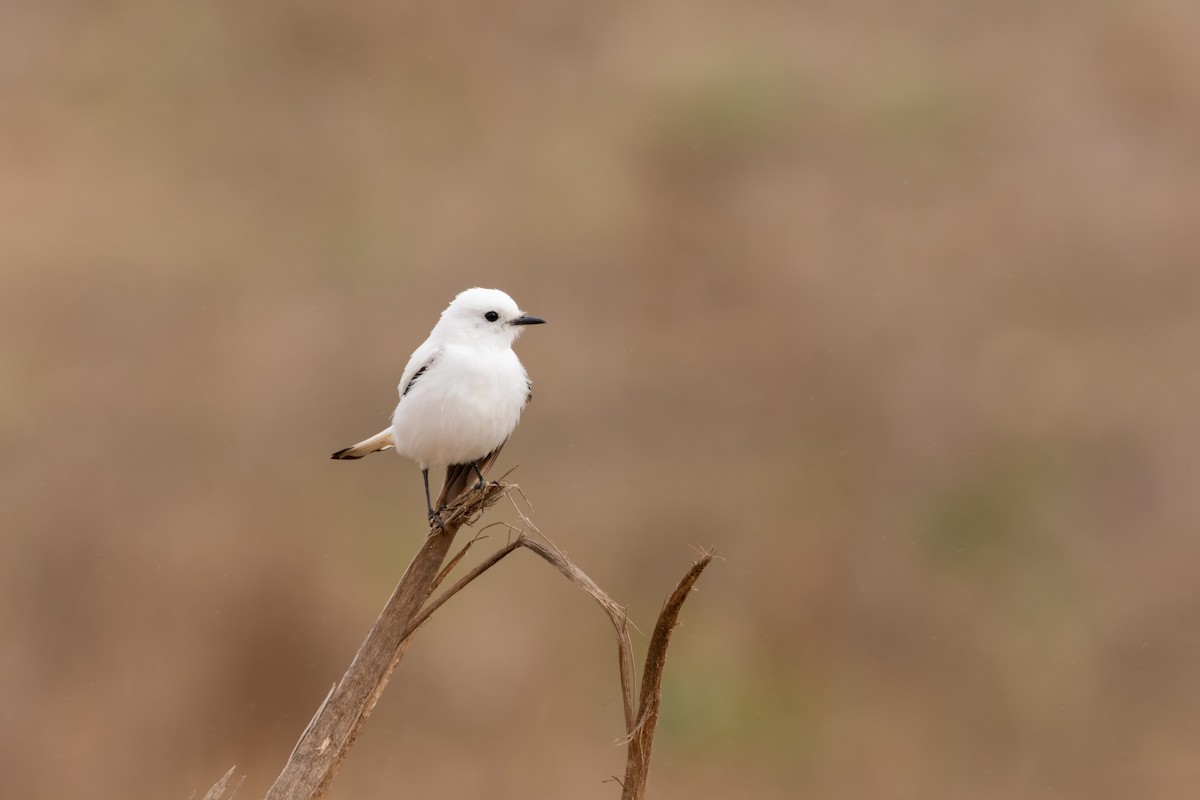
x=380 y=441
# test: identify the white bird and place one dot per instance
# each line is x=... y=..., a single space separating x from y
x=461 y=394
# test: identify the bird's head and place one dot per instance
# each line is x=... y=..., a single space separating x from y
x=484 y=316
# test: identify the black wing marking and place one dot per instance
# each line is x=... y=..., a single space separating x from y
x=413 y=380
x=528 y=391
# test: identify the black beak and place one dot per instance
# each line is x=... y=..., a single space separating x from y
x=526 y=319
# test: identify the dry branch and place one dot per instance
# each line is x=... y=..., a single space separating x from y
x=616 y=615
x=639 y=729
x=641 y=736
x=325 y=743
x=339 y=719
x=481 y=568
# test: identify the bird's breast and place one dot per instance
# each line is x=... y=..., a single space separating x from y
x=463 y=407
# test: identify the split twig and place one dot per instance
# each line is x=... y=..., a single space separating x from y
x=220 y=786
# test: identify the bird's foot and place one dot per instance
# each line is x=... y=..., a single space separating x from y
x=482 y=484
x=435 y=523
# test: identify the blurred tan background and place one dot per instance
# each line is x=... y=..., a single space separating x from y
x=895 y=305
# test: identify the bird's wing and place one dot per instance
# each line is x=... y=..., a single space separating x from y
x=422 y=358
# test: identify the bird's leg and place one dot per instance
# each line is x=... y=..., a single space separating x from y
x=433 y=515
x=482 y=482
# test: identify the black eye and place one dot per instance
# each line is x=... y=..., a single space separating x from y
x=491 y=316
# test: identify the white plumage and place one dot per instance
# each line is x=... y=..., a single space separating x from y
x=461 y=394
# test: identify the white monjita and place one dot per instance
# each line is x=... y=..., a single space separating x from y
x=461 y=394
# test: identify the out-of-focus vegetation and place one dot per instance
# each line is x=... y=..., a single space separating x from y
x=896 y=305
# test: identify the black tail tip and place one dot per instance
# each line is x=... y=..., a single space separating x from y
x=344 y=455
